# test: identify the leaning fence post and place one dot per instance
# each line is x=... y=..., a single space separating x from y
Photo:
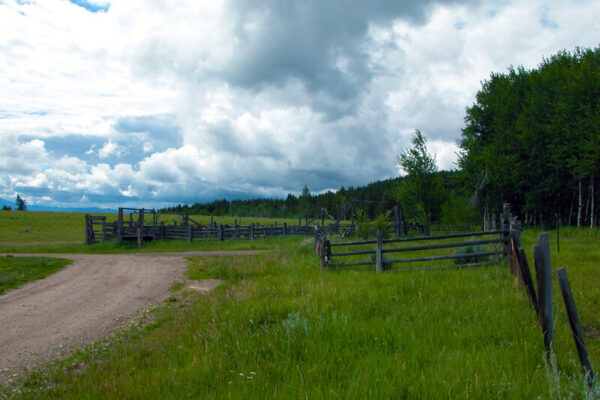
x=528 y=280
x=541 y=254
x=565 y=289
x=378 y=254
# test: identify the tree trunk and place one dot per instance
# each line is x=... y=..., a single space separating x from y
x=592 y=216
x=570 y=220
x=580 y=206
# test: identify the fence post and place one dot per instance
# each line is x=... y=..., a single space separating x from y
x=321 y=252
x=221 y=232
x=252 y=231
x=505 y=227
x=515 y=241
x=284 y=228
x=379 y=255
x=528 y=280
x=541 y=254
x=190 y=233
x=104 y=228
x=396 y=222
x=565 y=289
x=87 y=229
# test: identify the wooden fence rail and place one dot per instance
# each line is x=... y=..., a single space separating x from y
x=332 y=258
x=98 y=229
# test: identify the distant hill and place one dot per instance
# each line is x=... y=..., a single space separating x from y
x=4 y=202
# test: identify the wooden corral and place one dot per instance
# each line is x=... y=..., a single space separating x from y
x=139 y=224
x=142 y=224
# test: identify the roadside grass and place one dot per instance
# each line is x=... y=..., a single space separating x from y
x=281 y=328
x=16 y=271
x=157 y=246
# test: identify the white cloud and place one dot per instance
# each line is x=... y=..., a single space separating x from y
x=200 y=99
x=110 y=149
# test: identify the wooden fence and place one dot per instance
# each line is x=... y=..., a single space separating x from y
x=98 y=229
x=333 y=255
x=540 y=297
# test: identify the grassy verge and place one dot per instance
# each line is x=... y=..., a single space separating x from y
x=281 y=328
x=16 y=271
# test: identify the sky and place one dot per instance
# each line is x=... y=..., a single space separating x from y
x=158 y=102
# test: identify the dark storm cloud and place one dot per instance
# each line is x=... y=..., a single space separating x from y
x=320 y=43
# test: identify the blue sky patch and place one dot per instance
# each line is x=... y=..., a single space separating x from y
x=90 y=6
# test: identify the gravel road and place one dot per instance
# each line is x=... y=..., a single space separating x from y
x=47 y=319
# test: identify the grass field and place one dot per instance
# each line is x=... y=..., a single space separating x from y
x=281 y=328
x=16 y=271
x=56 y=232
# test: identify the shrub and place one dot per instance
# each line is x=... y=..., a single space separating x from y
x=468 y=258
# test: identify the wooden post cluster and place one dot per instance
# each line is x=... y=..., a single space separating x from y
x=89 y=231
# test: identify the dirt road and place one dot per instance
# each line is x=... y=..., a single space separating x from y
x=98 y=293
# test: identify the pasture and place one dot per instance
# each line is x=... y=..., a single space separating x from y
x=282 y=328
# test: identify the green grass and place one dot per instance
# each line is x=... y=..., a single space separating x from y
x=282 y=328
x=16 y=271
x=57 y=232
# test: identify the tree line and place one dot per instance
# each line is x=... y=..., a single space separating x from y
x=531 y=138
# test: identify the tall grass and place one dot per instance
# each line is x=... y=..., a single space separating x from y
x=16 y=271
x=282 y=328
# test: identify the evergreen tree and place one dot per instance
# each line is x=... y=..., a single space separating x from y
x=421 y=192
x=20 y=203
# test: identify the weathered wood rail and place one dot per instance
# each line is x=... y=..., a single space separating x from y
x=332 y=258
x=128 y=227
x=375 y=250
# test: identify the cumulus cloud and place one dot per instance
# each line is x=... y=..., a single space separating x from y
x=143 y=103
